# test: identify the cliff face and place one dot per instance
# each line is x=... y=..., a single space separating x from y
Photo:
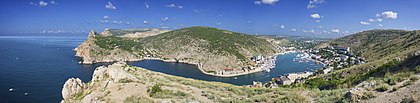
x=123 y=83
x=213 y=50
x=91 y=53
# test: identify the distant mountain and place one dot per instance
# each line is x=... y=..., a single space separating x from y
x=211 y=49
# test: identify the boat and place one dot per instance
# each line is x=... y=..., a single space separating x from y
x=267 y=70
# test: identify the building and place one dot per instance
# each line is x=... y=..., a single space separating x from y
x=327 y=70
x=283 y=80
x=290 y=78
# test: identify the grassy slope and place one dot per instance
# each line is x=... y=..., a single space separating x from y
x=221 y=42
x=380 y=47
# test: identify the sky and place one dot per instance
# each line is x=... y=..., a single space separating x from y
x=320 y=18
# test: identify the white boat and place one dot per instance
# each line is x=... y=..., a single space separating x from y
x=267 y=70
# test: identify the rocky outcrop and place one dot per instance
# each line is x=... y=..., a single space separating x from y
x=91 y=53
x=72 y=87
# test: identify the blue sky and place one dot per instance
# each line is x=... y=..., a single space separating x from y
x=323 y=18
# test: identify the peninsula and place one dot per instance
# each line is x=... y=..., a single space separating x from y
x=215 y=51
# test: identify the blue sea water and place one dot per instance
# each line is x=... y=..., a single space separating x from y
x=39 y=66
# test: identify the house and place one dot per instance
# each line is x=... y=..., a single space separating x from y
x=283 y=80
x=257 y=58
x=327 y=70
x=344 y=48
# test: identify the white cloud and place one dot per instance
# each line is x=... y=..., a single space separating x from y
x=145 y=22
x=315 y=16
x=282 y=26
x=106 y=17
x=53 y=2
x=376 y=20
x=314 y=3
x=364 y=23
x=320 y=26
x=335 y=30
x=42 y=3
x=293 y=30
x=219 y=23
x=165 y=19
x=174 y=6
x=271 y=2
x=147 y=5
x=317 y=21
x=110 y=6
x=388 y=15
x=380 y=25
x=117 y=22
x=311 y=31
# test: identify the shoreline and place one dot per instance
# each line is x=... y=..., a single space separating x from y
x=258 y=69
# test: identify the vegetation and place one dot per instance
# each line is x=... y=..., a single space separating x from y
x=135 y=99
x=113 y=42
x=382 y=88
x=219 y=41
x=157 y=92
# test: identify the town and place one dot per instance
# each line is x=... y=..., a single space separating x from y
x=331 y=57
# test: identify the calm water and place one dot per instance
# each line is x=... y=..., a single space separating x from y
x=39 y=66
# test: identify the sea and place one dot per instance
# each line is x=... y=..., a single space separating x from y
x=33 y=69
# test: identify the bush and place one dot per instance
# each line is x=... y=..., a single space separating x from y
x=382 y=88
x=395 y=89
x=368 y=95
x=417 y=69
x=414 y=78
x=155 y=89
x=391 y=81
x=407 y=83
x=134 y=99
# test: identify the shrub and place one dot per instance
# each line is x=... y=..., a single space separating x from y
x=155 y=89
x=391 y=81
x=134 y=99
x=414 y=78
x=395 y=89
x=417 y=69
x=407 y=83
x=368 y=95
x=382 y=88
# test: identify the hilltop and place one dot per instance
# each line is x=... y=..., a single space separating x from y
x=212 y=50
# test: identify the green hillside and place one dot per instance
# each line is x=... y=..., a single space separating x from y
x=391 y=54
x=198 y=45
x=219 y=41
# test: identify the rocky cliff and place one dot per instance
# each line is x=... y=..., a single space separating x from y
x=91 y=53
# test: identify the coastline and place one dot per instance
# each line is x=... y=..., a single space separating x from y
x=256 y=70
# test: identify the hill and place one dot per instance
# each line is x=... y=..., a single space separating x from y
x=212 y=49
x=123 y=83
x=393 y=58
